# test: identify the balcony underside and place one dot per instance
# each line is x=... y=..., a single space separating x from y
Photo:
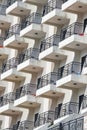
x=76 y=42
x=55 y=17
x=9 y=110
x=75 y=6
x=18 y=9
x=12 y=75
x=3 y=85
x=36 y=2
x=49 y=91
x=30 y=66
x=72 y=81
x=53 y=53
x=33 y=31
x=28 y=101
x=15 y=42
x=4 y=22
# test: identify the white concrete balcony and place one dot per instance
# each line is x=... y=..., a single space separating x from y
x=13 y=39
x=46 y=86
x=25 y=97
x=17 y=8
x=31 y=27
x=49 y=49
x=28 y=61
x=35 y=2
x=71 y=76
x=73 y=37
x=53 y=15
x=9 y=71
x=4 y=20
x=75 y=6
x=6 y=105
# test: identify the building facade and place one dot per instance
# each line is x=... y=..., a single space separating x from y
x=43 y=64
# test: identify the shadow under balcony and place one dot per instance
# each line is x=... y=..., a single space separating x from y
x=6 y=105
x=70 y=75
x=13 y=39
x=53 y=15
x=46 y=86
x=73 y=37
x=25 y=97
x=31 y=26
x=49 y=49
x=75 y=6
x=9 y=71
x=28 y=61
x=17 y=8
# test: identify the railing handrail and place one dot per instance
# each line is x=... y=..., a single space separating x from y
x=30 y=53
x=75 y=28
x=25 y=90
x=10 y=63
x=31 y=18
x=50 y=41
x=69 y=69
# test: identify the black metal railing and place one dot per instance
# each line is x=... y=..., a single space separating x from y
x=13 y=30
x=75 y=124
x=31 y=53
x=75 y=28
x=28 y=89
x=71 y=68
x=1 y=40
x=46 y=117
x=66 y=109
x=9 y=64
x=10 y=2
x=26 y=125
x=7 y=98
x=49 y=78
x=3 y=9
x=49 y=42
x=84 y=102
x=31 y=18
x=51 y=5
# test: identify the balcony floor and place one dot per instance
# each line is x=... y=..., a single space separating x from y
x=76 y=42
x=12 y=75
x=54 y=54
x=33 y=31
x=72 y=81
x=15 y=42
x=75 y=6
x=55 y=17
x=30 y=66
x=18 y=9
x=9 y=110
x=27 y=101
x=49 y=91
